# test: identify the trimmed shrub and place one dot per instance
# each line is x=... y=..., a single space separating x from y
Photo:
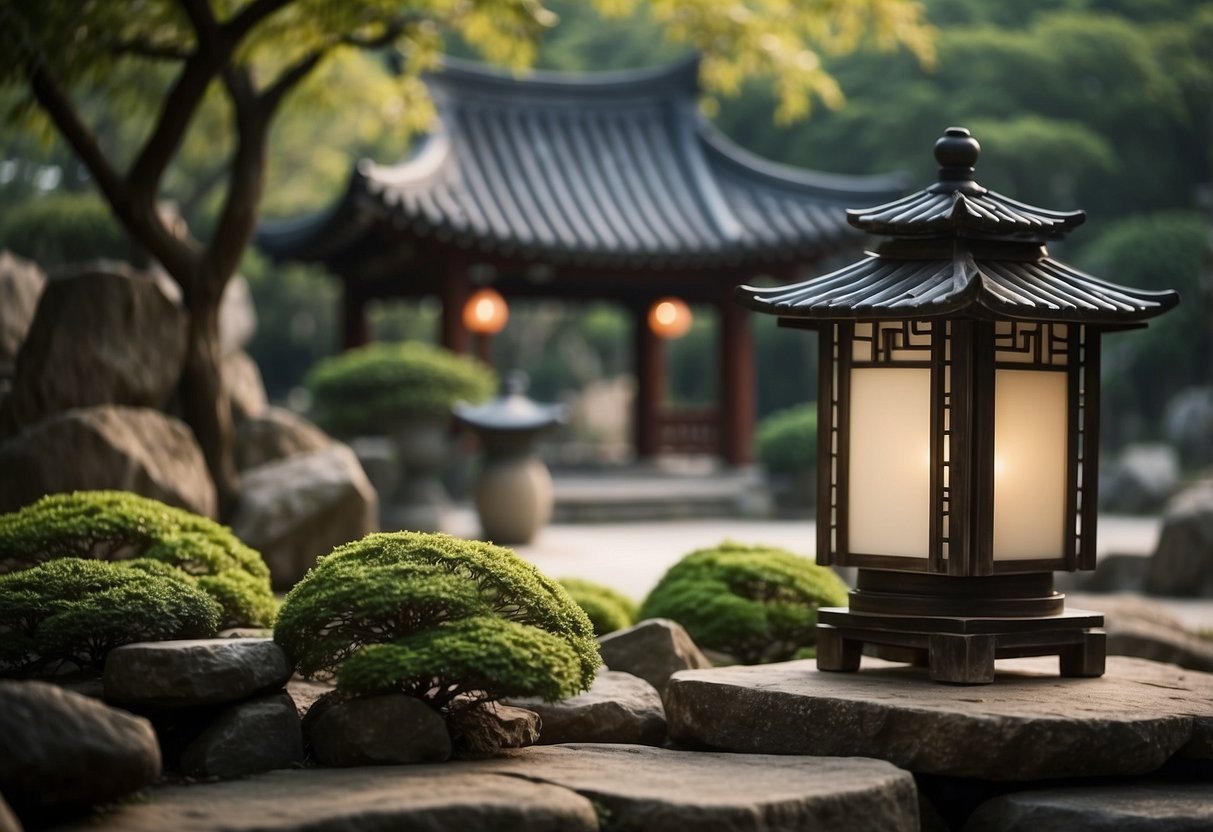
x=787 y=439
x=756 y=603
x=608 y=610
x=456 y=610
x=71 y=612
x=117 y=525
x=373 y=387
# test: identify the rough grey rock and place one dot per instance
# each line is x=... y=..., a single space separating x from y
x=437 y=798
x=379 y=730
x=1140 y=480
x=8 y=821
x=618 y=708
x=58 y=748
x=655 y=789
x=237 y=315
x=1139 y=807
x=1182 y=564
x=103 y=335
x=1137 y=626
x=1114 y=573
x=381 y=463
x=245 y=389
x=21 y=284
x=250 y=737
x=189 y=673
x=107 y=447
x=1188 y=425
x=493 y=726
x=1029 y=724
x=654 y=650
x=297 y=509
x=275 y=435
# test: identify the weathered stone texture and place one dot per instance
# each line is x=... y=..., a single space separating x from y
x=654 y=650
x=1182 y=564
x=258 y=735
x=378 y=730
x=1134 y=807
x=275 y=435
x=21 y=284
x=618 y=708
x=191 y=673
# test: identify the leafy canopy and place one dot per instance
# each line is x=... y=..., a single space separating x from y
x=756 y=603
x=607 y=609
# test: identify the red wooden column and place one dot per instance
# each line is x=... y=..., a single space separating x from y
x=355 y=328
x=737 y=389
x=649 y=362
x=454 y=294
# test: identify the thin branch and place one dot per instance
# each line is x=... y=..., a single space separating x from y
x=202 y=19
x=252 y=14
x=289 y=78
x=149 y=49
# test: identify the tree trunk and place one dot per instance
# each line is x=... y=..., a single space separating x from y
x=204 y=398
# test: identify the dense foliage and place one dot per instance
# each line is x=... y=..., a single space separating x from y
x=607 y=609
x=437 y=607
x=755 y=603
x=371 y=389
x=62 y=229
x=68 y=613
x=117 y=525
x=787 y=439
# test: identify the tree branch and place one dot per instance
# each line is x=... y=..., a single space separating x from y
x=149 y=49
x=289 y=78
x=252 y=14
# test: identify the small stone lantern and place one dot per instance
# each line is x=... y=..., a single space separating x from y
x=958 y=419
x=514 y=490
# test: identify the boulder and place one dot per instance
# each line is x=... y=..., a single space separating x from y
x=297 y=509
x=1188 y=425
x=103 y=335
x=245 y=389
x=1139 y=627
x=107 y=447
x=194 y=672
x=305 y=692
x=618 y=708
x=1028 y=725
x=1114 y=573
x=654 y=650
x=237 y=315
x=58 y=749
x=1140 y=480
x=258 y=735
x=1182 y=564
x=493 y=726
x=21 y=284
x=657 y=789
x=387 y=729
x=275 y=435
x=8 y=821
x=1140 y=807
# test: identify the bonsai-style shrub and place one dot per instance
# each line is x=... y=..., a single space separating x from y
x=787 y=439
x=608 y=610
x=69 y=613
x=756 y=603
x=117 y=525
x=368 y=389
x=453 y=621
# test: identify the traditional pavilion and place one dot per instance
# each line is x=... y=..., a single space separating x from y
x=608 y=186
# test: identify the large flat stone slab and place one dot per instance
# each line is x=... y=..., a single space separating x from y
x=1141 y=807
x=647 y=789
x=192 y=672
x=1028 y=725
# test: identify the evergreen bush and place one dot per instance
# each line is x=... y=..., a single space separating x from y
x=393 y=610
x=117 y=525
x=787 y=439
x=369 y=389
x=607 y=609
x=756 y=603
x=71 y=612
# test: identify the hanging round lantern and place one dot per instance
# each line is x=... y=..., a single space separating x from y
x=670 y=318
x=485 y=312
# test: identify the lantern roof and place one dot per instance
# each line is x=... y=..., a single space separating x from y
x=957 y=248
x=513 y=411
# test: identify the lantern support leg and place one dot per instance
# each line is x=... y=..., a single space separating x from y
x=835 y=652
x=960 y=659
x=1087 y=659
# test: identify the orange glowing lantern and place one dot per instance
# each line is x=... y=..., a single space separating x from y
x=485 y=312
x=670 y=318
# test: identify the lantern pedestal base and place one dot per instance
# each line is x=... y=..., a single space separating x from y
x=961 y=650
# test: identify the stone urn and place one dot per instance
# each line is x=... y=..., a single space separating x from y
x=514 y=490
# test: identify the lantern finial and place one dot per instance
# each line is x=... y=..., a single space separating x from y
x=957 y=151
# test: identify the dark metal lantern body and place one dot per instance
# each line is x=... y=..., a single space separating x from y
x=960 y=329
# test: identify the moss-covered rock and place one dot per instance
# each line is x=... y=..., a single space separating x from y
x=71 y=612
x=117 y=525
x=369 y=389
x=608 y=610
x=457 y=610
x=756 y=603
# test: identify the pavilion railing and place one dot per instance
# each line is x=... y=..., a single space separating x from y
x=689 y=431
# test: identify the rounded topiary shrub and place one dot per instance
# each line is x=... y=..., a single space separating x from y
x=117 y=525
x=786 y=440
x=455 y=622
x=69 y=613
x=755 y=603
x=370 y=389
x=608 y=610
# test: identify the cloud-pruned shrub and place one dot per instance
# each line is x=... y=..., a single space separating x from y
x=118 y=525
x=787 y=439
x=455 y=622
x=608 y=609
x=756 y=603
x=69 y=613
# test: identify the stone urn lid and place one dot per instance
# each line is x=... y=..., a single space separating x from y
x=512 y=412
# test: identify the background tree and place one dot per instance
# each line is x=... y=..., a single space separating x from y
x=251 y=57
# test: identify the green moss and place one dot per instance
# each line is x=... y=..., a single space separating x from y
x=406 y=587
x=370 y=389
x=72 y=612
x=787 y=439
x=608 y=610
x=756 y=603
x=117 y=525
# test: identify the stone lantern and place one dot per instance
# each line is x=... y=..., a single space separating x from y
x=514 y=490
x=958 y=419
